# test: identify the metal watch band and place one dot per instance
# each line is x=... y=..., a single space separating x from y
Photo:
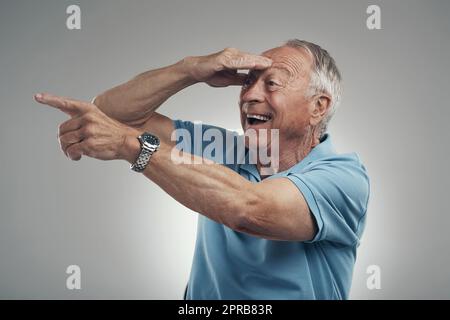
x=143 y=158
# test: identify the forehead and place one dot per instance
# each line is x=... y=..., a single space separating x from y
x=295 y=61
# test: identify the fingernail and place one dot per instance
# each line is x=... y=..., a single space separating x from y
x=38 y=96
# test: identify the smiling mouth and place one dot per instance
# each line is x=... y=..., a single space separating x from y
x=257 y=119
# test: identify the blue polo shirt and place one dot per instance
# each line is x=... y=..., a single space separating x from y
x=233 y=265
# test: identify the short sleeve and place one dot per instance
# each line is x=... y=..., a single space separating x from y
x=336 y=190
x=207 y=141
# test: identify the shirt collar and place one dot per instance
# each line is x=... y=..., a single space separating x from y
x=323 y=149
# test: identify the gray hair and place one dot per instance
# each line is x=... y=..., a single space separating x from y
x=325 y=77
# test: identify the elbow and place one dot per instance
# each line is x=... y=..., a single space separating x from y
x=260 y=217
x=249 y=218
x=244 y=224
x=255 y=223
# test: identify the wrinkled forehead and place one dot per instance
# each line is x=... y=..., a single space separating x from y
x=297 y=62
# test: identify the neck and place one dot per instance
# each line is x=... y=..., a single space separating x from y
x=292 y=152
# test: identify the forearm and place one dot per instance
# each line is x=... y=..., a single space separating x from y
x=209 y=189
x=134 y=102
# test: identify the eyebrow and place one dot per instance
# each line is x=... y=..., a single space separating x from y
x=282 y=69
x=257 y=73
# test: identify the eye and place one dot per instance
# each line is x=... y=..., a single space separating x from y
x=248 y=81
x=272 y=84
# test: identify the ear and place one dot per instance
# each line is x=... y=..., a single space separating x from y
x=321 y=105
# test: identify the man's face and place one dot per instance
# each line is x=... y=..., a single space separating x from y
x=275 y=98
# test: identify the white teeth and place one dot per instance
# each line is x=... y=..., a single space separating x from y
x=258 y=117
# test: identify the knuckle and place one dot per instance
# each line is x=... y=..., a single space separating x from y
x=230 y=50
x=87 y=117
x=226 y=54
x=62 y=128
x=65 y=104
x=67 y=145
x=66 y=138
x=88 y=130
x=220 y=65
x=88 y=144
x=62 y=139
x=72 y=137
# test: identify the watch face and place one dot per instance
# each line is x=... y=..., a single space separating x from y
x=150 y=138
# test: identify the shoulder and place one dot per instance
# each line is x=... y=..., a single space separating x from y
x=341 y=179
x=338 y=163
x=336 y=189
x=341 y=170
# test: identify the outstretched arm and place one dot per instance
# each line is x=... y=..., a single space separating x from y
x=272 y=209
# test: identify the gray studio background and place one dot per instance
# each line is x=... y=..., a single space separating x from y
x=133 y=241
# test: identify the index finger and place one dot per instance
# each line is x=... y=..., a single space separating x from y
x=66 y=105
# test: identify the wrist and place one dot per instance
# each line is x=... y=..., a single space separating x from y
x=131 y=146
x=187 y=67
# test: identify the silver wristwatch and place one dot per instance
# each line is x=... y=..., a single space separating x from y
x=149 y=145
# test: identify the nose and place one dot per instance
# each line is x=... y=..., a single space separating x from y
x=254 y=93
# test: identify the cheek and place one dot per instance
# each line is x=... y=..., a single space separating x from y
x=292 y=114
x=278 y=102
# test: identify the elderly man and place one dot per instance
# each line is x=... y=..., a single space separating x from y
x=288 y=235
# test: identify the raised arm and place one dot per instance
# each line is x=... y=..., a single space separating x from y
x=134 y=102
